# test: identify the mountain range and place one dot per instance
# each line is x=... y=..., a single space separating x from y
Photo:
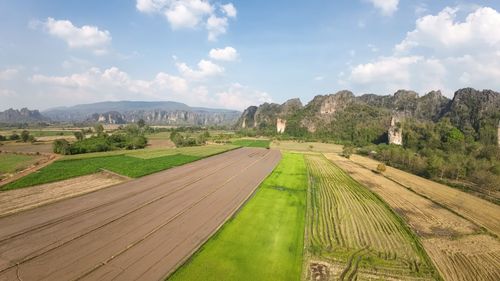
x=469 y=110
x=121 y=112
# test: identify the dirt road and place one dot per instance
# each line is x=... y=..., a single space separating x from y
x=138 y=230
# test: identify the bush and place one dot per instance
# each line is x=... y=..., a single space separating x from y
x=381 y=168
x=14 y=136
x=61 y=146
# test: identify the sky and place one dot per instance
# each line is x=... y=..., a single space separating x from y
x=233 y=54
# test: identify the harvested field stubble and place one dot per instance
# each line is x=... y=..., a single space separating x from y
x=459 y=248
x=475 y=209
x=14 y=201
x=355 y=233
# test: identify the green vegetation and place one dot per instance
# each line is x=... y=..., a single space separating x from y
x=252 y=143
x=349 y=226
x=124 y=165
x=10 y=163
x=187 y=140
x=132 y=137
x=128 y=163
x=264 y=241
x=442 y=152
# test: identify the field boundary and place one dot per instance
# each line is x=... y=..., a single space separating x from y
x=220 y=228
x=418 y=243
x=484 y=229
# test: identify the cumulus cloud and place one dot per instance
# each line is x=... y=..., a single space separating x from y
x=386 y=7
x=225 y=54
x=205 y=70
x=8 y=74
x=191 y=14
x=116 y=84
x=440 y=53
x=240 y=97
x=87 y=36
x=443 y=32
x=229 y=10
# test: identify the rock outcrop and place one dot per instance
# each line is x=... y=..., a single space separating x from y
x=156 y=113
x=395 y=132
x=22 y=115
x=468 y=110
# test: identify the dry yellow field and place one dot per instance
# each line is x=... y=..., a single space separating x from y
x=352 y=235
x=13 y=201
x=306 y=146
x=475 y=209
x=459 y=248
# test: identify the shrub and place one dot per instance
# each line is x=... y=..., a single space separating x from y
x=381 y=168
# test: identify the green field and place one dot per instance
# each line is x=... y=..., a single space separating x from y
x=202 y=151
x=264 y=241
x=251 y=143
x=353 y=230
x=125 y=162
x=10 y=163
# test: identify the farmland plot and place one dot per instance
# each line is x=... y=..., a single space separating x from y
x=352 y=235
x=460 y=249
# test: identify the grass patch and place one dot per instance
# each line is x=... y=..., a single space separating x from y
x=121 y=164
x=252 y=143
x=264 y=241
x=11 y=163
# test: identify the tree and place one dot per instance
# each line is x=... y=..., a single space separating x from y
x=347 y=151
x=99 y=129
x=25 y=135
x=2 y=138
x=141 y=123
x=61 y=146
x=381 y=168
x=14 y=136
x=79 y=135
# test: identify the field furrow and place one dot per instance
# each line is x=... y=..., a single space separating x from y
x=357 y=235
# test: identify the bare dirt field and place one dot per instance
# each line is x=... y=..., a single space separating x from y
x=138 y=230
x=27 y=147
x=475 y=209
x=458 y=247
x=307 y=146
x=17 y=200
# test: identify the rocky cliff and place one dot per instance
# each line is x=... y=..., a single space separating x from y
x=23 y=115
x=467 y=110
x=156 y=113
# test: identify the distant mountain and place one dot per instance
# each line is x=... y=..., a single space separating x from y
x=158 y=113
x=23 y=115
x=469 y=110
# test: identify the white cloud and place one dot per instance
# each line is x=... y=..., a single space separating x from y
x=205 y=70
x=150 y=6
x=226 y=54
x=229 y=10
x=444 y=33
x=240 y=97
x=319 y=78
x=191 y=14
x=373 y=48
x=441 y=53
x=386 y=7
x=216 y=26
x=8 y=74
x=114 y=83
x=87 y=36
x=96 y=84
x=187 y=14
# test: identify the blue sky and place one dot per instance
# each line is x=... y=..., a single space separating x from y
x=237 y=53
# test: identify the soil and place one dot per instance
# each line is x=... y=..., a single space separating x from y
x=17 y=200
x=138 y=230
